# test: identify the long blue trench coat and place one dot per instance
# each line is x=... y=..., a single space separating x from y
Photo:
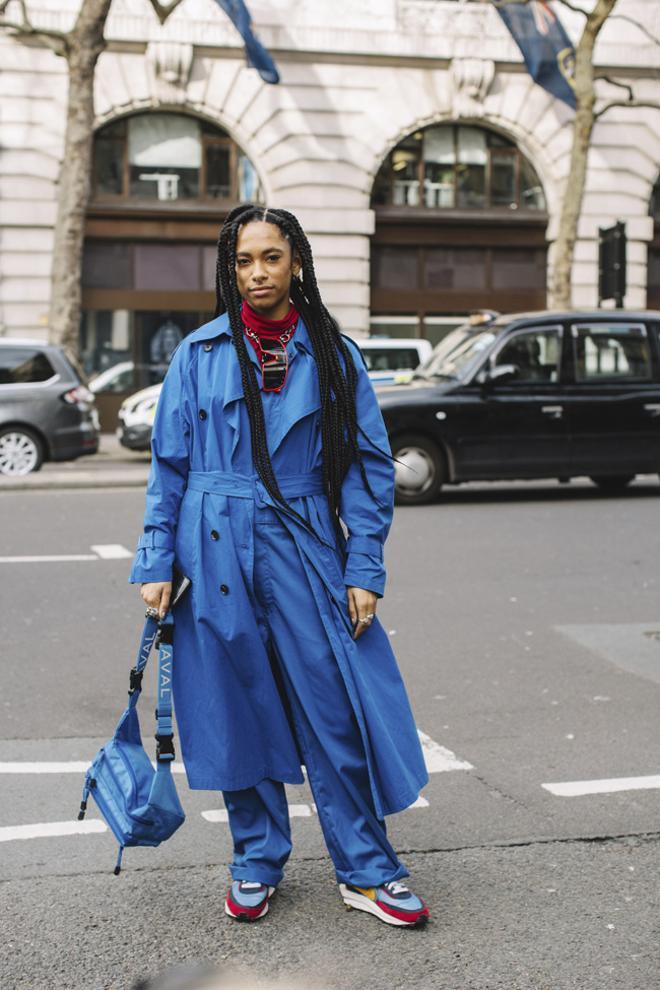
x=201 y=496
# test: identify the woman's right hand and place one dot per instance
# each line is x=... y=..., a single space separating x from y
x=157 y=594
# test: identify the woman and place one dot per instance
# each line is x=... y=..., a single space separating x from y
x=268 y=432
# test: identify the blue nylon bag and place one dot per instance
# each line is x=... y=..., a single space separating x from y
x=140 y=804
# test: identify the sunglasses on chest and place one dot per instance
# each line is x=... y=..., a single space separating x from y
x=273 y=358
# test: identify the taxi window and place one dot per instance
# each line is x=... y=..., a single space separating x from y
x=611 y=352
x=535 y=354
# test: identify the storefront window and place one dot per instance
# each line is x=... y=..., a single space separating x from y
x=458 y=166
x=170 y=157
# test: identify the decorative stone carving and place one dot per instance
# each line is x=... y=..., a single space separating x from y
x=471 y=79
x=170 y=63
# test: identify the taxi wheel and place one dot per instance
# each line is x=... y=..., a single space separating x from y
x=419 y=477
x=612 y=484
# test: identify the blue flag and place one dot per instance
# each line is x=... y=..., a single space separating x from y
x=257 y=56
x=548 y=52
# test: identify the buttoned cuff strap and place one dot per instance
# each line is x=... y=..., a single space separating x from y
x=155 y=541
x=365 y=544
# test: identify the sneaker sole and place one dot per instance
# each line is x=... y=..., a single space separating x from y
x=356 y=901
x=244 y=916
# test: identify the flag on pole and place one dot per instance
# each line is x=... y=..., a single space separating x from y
x=548 y=52
x=257 y=56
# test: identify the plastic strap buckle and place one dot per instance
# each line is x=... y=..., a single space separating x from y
x=164 y=747
x=135 y=683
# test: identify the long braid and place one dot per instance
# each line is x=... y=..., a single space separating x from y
x=337 y=384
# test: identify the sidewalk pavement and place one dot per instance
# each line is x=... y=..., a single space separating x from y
x=112 y=467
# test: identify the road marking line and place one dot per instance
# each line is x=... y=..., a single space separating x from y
x=70 y=766
x=112 y=551
x=49 y=558
x=101 y=551
x=221 y=815
x=439 y=759
x=48 y=829
x=578 y=788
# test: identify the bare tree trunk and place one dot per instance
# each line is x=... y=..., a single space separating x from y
x=85 y=44
x=560 y=289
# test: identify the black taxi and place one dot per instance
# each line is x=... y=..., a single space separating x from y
x=535 y=395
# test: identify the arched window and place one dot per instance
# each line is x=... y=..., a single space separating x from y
x=163 y=183
x=460 y=226
x=171 y=157
x=456 y=166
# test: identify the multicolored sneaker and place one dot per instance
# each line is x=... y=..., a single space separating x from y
x=247 y=900
x=392 y=902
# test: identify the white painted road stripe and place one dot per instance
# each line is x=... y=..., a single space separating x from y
x=102 y=551
x=71 y=766
x=220 y=814
x=438 y=759
x=48 y=829
x=578 y=788
x=112 y=551
x=49 y=558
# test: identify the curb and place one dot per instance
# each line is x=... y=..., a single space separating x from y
x=98 y=479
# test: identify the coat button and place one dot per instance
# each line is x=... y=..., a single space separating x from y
x=208 y=347
x=202 y=413
x=215 y=535
x=224 y=589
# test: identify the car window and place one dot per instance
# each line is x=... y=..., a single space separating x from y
x=613 y=352
x=535 y=353
x=462 y=359
x=22 y=365
x=391 y=358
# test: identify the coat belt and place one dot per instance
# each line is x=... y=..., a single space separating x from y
x=251 y=486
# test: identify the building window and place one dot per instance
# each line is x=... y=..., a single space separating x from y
x=454 y=166
x=169 y=157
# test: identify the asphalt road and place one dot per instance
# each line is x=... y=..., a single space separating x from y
x=526 y=621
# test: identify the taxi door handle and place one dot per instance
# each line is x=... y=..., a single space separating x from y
x=556 y=412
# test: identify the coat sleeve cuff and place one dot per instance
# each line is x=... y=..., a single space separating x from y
x=364 y=570
x=152 y=564
x=371 y=545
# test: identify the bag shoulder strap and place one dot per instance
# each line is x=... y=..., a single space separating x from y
x=161 y=635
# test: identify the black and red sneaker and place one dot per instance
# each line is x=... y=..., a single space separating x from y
x=392 y=902
x=247 y=900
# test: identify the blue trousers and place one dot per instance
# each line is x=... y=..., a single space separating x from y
x=325 y=729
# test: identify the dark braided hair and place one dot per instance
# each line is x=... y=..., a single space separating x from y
x=339 y=426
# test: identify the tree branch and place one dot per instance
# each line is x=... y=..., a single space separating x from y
x=626 y=103
x=631 y=20
x=615 y=82
x=57 y=40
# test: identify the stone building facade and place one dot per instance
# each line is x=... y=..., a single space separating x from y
x=407 y=236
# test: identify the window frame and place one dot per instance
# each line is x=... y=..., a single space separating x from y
x=32 y=349
x=510 y=148
x=220 y=138
x=605 y=380
x=491 y=361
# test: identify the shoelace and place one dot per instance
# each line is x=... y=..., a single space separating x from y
x=394 y=887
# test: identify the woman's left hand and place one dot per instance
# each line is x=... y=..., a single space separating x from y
x=361 y=608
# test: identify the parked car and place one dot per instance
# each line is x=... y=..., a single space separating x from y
x=136 y=417
x=388 y=359
x=537 y=395
x=46 y=410
x=392 y=360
